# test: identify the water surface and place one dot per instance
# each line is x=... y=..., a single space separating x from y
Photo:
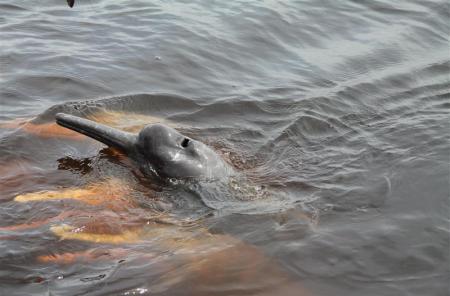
x=334 y=113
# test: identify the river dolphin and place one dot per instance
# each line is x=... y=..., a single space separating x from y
x=157 y=149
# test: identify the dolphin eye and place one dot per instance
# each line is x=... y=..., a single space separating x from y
x=185 y=143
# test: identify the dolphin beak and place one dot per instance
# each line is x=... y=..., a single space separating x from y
x=71 y=3
x=107 y=135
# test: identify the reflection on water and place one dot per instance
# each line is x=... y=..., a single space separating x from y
x=335 y=116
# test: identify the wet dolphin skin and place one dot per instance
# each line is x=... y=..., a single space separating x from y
x=158 y=149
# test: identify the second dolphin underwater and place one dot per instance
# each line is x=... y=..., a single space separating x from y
x=157 y=149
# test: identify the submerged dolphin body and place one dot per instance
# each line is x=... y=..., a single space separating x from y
x=158 y=149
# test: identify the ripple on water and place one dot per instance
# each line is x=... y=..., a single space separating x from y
x=335 y=115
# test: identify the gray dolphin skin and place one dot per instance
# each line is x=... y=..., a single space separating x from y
x=157 y=149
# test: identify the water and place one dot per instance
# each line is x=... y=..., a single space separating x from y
x=334 y=113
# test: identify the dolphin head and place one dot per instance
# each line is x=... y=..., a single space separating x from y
x=172 y=154
x=157 y=149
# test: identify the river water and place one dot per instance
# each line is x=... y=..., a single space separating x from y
x=336 y=115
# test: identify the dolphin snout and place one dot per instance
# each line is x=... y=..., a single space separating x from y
x=107 y=135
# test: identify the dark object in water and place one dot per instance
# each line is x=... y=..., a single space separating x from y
x=71 y=3
x=158 y=149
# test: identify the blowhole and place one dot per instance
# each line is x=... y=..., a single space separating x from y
x=185 y=143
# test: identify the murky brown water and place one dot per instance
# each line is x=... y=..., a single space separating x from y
x=334 y=114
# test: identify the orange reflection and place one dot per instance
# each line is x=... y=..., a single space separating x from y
x=127 y=121
x=239 y=269
x=36 y=224
x=15 y=123
x=12 y=175
x=131 y=122
x=44 y=130
x=65 y=231
x=113 y=193
x=51 y=130
x=83 y=256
